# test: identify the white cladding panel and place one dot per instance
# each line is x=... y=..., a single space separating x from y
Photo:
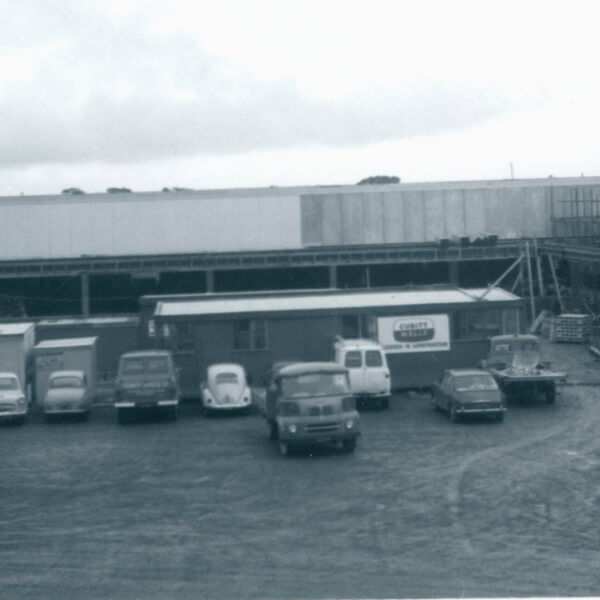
x=72 y=226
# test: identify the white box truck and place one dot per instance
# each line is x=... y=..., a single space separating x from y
x=16 y=353
x=78 y=354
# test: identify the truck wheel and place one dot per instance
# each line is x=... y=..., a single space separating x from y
x=349 y=445
x=551 y=394
x=273 y=430
x=452 y=414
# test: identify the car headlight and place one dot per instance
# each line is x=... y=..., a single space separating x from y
x=21 y=402
x=292 y=428
x=349 y=424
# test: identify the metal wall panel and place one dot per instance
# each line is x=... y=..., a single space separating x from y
x=66 y=227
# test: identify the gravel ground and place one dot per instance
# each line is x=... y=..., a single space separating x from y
x=208 y=509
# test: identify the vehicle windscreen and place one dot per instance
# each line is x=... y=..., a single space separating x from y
x=226 y=378
x=314 y=384
x=467 y=383
x=8 y=383
x=139 y=365
x=66 y=381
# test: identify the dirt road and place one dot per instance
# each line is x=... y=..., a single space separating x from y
x=208 y=509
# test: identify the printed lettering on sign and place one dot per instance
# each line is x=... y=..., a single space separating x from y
x=418 y=333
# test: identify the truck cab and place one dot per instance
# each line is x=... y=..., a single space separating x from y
x=312 y=403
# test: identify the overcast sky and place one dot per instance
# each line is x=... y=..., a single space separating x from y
x=203 y=94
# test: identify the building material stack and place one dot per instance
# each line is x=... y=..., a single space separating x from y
x=573 y=328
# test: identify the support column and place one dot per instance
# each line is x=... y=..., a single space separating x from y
x=333 y=283
x=210 y=280
x=453 y=272
x=85 y=295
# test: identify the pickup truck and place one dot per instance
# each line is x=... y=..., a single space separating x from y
x=515 y=362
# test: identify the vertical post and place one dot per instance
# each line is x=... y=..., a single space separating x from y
x=453 y=272
x=538 y=264
x=333 y=276
x=85 y=294
x=530 y=280
x=368 y=276
x=210 y=280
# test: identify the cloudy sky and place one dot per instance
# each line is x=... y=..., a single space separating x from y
x=202 y=94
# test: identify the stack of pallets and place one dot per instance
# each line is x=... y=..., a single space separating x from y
x=573 y=328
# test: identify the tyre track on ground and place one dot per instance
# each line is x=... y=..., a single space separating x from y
x=564 y=431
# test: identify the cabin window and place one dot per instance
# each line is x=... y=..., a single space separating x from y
x=250 y=334
x=359 y=326
x=479 y=324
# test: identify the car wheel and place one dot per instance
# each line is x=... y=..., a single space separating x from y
x=385 y=403
x=434 y=403
x=500 y=417
x=550 y=394
x=349 y=445
x=452 y=413
x=85 y=416
x=284 y=448
x=21 y=420
x=171 y=413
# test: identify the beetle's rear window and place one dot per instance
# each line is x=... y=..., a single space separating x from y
x=133 y=366
x=226 y=378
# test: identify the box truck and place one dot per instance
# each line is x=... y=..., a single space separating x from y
x=77 y=354
x=16 y=354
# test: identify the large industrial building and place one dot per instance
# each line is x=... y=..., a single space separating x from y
x=96 y=254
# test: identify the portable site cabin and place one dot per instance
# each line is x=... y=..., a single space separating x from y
x=64 y=355
x=423 y=331
x=16 y=352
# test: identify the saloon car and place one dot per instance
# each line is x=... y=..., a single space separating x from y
x=13 y=404
x=68 y=393
x=462 y=392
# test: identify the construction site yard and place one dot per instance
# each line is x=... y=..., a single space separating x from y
x=206 y=508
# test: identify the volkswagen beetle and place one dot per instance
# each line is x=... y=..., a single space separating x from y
x=225 y=389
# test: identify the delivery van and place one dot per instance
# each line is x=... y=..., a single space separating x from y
x=369 y=373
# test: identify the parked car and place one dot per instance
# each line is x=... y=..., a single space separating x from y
x=369 y=373
x=468 y=392
x=225 y=389
x=68 y=393
x=146 y=379
x=311 y=403
x=13 y=404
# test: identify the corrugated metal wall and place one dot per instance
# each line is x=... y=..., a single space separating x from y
x=50 y=227
x=424 y=215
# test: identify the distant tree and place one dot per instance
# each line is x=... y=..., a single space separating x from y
x=378 y=179
x=118 y=190
x=72 y=190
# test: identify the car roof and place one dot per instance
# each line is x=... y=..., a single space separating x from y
x=219 y=367
x=72 y=373
x=458 y=372
x=8 y=374
x=311 y=367
x=358 y=343
x=512 y=337
x=144 y=353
